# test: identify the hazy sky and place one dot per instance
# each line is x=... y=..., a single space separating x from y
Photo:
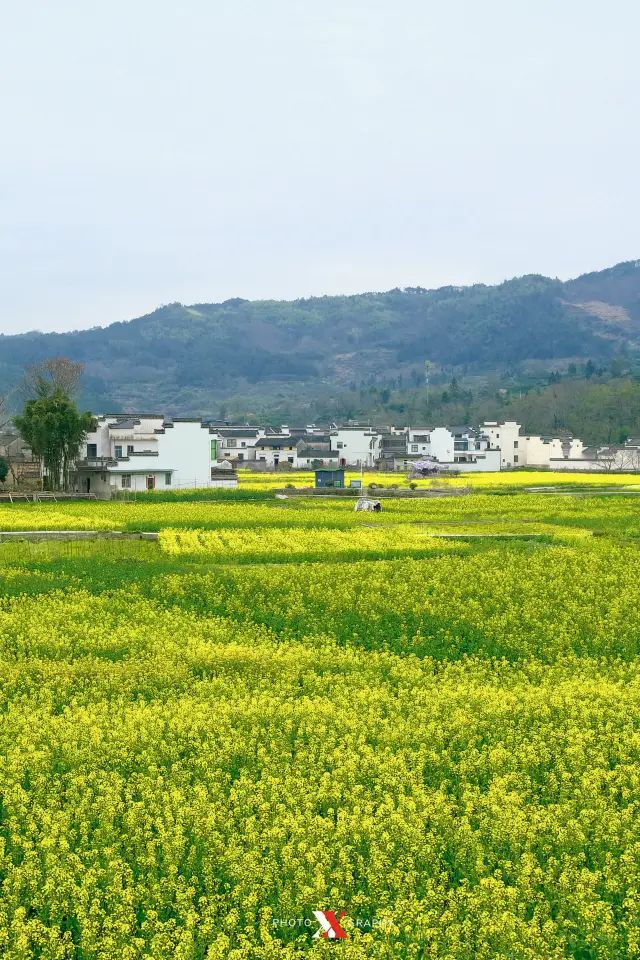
x=156 y=150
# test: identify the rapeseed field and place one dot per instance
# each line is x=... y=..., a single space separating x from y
x=426 y=718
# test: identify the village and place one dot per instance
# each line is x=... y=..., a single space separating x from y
x=136 y=452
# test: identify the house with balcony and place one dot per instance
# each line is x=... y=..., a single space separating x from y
x=148 y=452
x=462 y=448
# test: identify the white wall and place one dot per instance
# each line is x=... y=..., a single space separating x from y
x=442 y=444
x=578 y=465
x=269 y=456
x=186 y=447
x=422 y=446
x=576 y=448
x=540 y=450
x=506 y=436
x=327 y=459
x=487 y=461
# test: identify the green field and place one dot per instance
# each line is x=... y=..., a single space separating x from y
x=427 y=718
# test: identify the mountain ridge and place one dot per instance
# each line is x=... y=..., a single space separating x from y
x=190 y=358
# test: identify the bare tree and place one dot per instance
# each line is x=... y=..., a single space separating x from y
x=59 y=373
x=628 y=459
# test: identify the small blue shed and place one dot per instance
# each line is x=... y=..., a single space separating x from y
x=328 y=477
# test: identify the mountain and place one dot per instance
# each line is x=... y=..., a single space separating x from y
x=252 y=356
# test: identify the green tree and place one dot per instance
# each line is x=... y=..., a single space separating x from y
x=4 y=469
x=54 y=429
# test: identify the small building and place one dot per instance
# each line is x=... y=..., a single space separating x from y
x=312 y=457
x=276 y=449
x=329 y=477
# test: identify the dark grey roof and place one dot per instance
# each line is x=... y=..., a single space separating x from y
x=130 y=416
x=238 y=431
x=278 y=442
x=318 y=453
x=124 y=424
x=465 y=429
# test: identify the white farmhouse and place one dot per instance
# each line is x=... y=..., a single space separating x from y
x=238 y=443
x=355 y=446
x=506 y=438
x=148 y=452
x=455 y=448
x=275 y=449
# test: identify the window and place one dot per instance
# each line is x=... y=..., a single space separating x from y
x=92 y=450
x=515 y=444
x=125 y=483
x=515 y=459
x=241 y=456
x=151 y=483
x=232 y=443
x=129 y=449
x=118 y=451
x=414 y=448
x=339 y=446
x=214 y=450
x=242 y=443
x=290 y=459
x=263 y=458
x=167 y=479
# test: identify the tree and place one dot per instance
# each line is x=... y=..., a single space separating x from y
x=44 y=378
x=4 y=469
x=54 y=429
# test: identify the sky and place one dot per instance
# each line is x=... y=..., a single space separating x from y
x=155 y=151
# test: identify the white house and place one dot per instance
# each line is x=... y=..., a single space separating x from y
x=275 y=449
x=531 y=450
x=456 y=448
x=355 y=446
x=506 y=438
x=238 y=443
x=147 y=452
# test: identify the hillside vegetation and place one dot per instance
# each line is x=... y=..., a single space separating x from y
x=267 y=358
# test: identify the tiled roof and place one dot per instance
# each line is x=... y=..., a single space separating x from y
x=277 y=442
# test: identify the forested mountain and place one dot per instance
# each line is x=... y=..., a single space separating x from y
x=253 y=358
